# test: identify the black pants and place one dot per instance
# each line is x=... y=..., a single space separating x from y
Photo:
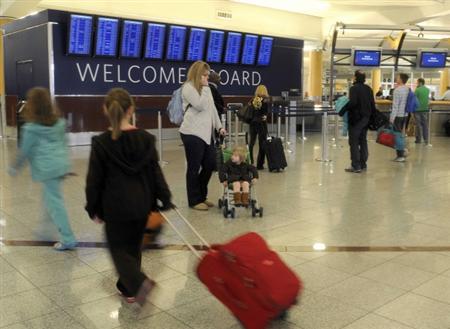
x=357 y=139
x=201 y=161
x=399 y=125
x=258 y=129
x=125 y=245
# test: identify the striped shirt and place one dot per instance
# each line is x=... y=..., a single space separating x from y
x=399 y=102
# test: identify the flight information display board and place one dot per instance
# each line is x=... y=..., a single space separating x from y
x=131 y=39
x=367 y=58
x=80 y=35
x=107 y=35
x=154 y=44
x=196 y=44
x=265 y=51
x=176 y=43
x=215 y=46
x=233 y=48
x=430 y=59
x=249 y=50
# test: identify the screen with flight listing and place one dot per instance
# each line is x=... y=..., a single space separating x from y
x=367 y=58
x=433 y=59
x=176 y=43
x=215 y=46
x=154 y=43
x=131 y=39
x=265 y=51
x=233 y=49
x=249 y=50
x=107 y=35
x=80 y=35
x=196 y=45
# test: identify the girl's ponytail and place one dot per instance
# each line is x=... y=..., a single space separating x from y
x=115 y=116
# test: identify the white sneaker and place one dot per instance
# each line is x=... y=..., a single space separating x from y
x=400 y=159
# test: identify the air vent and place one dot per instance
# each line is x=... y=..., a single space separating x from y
x=222 y=14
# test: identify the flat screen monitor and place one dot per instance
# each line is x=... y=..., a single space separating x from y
x=131 y=42
x=265 y=51
x=367 y=58
x=154 y=43
x=249 y=50
x=176 y=43
x=215 y=46
x=233 y=48
x=433 y=60
x=196 y=44
x=80 y=35
x=107 y=36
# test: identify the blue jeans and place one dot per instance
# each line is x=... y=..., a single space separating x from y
x=421 y=126
x=54 y=203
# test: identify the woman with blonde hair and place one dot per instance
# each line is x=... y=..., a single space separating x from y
x=258 y=125
x=197 y=131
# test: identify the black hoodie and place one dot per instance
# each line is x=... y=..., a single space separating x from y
x=361 y=104
x=124 y=180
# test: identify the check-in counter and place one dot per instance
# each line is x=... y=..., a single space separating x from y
x=440 y=112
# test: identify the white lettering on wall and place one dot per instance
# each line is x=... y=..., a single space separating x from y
x=181 y=75
x=255 y=75
x=167 y=79
x=129 y=73
x=118 y=75
x=107 y=73
x=145 y=74
x=87 y=69
x=223 y=73
x=245 y=76
x=235 y=78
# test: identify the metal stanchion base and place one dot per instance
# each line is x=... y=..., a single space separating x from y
x=303 y=139
x=323 y=160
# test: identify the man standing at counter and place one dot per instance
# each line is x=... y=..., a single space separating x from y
x=445 y=96
x=398 y=114
x=421 y=115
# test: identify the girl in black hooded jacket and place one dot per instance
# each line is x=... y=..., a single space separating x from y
x=124 y=184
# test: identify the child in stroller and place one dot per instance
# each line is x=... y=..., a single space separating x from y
x=239 y=176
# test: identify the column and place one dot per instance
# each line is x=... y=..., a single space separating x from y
x=376 y=80
x=444 y=81
x=315 y=75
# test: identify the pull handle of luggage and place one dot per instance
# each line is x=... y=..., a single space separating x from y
x=182 y=237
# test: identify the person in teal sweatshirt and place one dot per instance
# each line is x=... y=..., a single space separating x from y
x=43 y=145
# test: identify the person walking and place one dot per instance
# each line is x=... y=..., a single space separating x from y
x=201 y=122
x=360 y=107
x=43 y=144
x=258 y=125
x=421 y=115
x=123 y=185
x=398 y=115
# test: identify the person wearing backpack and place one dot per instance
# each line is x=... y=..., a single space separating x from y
x=197 y=131
x=423 y=95
x=399 y=113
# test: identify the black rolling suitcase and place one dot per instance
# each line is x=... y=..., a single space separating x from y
x=276 y=159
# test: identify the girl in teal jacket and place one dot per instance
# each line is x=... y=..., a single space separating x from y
x=43 y=145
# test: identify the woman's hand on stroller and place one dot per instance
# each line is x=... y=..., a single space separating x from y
x=222 y=132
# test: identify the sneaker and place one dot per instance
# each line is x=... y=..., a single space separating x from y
x=144 y=290
x=400 y=159
x=65 y=246
x=201 y=207
x=353 y=170
x=208 y=203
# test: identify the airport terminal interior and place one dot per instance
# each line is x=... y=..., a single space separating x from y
x=369 y=246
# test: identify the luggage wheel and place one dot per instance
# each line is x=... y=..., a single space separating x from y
x=283 y=315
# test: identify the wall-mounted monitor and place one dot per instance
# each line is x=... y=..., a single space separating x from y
x=154 y=42
x=265 y=51
x=130 y=45
x=107 y=36
x=80 y=35
x=366 y=57
x=196 y=44
x=250 y=49
x=215 y=46
x=233 y=48
x=176 y=43
x=434 y=58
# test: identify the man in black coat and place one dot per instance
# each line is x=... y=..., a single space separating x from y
x=360 y=107
x=214 y=80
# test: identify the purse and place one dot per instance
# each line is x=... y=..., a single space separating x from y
x=245 y=113
x=153 y=228
x=391 y=138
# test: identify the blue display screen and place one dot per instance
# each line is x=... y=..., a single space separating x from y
x=131 y=39
x=265 y=51
x=196 y=45
x=80 y=35
x=107 y=35
x=233 y=48
x=433 y=60
x=154 y=44
x=367 y=58
x=215 y=46
x=250 y=49
x=175 y=46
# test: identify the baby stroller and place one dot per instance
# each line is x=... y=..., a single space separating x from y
x=226 y=203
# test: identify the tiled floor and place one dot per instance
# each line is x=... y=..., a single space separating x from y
x=392 y=205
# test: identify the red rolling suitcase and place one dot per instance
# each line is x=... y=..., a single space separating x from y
x=247 y=277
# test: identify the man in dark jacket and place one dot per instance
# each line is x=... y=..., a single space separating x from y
x=214 y=80
x=360 y=108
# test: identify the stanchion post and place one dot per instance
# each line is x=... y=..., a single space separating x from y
x=236 y=128
x=324 y=157
x=160 y=143
x=229 y=116
x=303 y=138
x=336 y=132
x=279 y=122
x=430 y=111
x=286 y=127
x=272 y=129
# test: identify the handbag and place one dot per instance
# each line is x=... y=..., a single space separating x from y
x=391 y=138
x=377 y=120
x=245 y=113
x=153 y=228
x=411 y=129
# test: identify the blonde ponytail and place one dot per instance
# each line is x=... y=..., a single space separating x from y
x=117 y=102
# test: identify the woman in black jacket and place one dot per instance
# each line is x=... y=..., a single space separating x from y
x=124 y=183
x=258 y=125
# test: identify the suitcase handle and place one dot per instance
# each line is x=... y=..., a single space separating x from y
x=189 y=245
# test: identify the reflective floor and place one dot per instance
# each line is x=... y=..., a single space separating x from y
x=386 y=234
